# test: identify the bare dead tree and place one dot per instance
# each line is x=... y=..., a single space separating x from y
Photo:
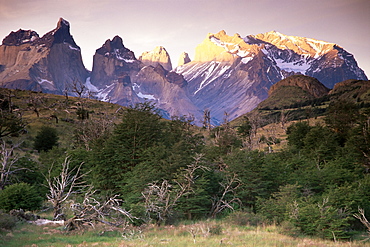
x=78 y=87
x=207 y=119
x=8 y=162
x=90 y=130
x=69 y=181
x=229 y=186
x=284 y=116
x=35 y=101
x=65 y=93
x=160 y=198
x=226 y=122
x=361 y=216
x=91 y=211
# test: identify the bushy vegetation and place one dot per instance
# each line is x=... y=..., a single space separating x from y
x=167 y=171
x=46 y=139
x=18 y=196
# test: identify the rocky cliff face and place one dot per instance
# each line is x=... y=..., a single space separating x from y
x=158 y=56
x=50 y=64
x=183 y=59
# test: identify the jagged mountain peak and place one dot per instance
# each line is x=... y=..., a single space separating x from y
x=20 y=37
x=61 y=34
x=111 y=45
x=62 y=22
x=50 y=63
x=222 y=47
x=157 y=56
x=184 y=59
x=115 y=49
x=225 y=37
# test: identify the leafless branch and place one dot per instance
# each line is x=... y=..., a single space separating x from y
x=361 y=216
x=8 y=162
x=160 y=198
x=68 y=182
x=91 y=211
x=230 y=185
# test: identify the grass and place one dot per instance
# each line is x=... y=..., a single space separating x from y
x=48 y=105
x=196 y=234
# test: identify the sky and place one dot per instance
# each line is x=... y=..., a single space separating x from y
x=180 y=25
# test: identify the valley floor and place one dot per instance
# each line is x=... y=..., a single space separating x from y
x=205 y=233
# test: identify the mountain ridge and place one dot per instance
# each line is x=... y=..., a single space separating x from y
x=228 y=73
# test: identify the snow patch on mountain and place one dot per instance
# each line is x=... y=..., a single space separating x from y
x=73 y=48
x=117 y=53
x=136 y=89
x=208 y=72
x=43 y=81
x=295 y=66
x=103 y=94
x=146 y=96
x=231 y=48
x=90 y=86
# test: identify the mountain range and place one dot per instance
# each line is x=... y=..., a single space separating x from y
x=229 y=74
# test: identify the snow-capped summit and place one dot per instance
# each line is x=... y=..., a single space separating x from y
x=232 y=74
x=300 y=45
x=307 y=56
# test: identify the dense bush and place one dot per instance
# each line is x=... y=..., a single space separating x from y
x=18 y=196
x=46 y=139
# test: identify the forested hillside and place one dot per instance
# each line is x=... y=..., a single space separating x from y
x=100 y=162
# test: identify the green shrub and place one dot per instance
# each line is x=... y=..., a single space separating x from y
x=46 y=139
x=7 y=221
x=18 y=196
x=323 y=220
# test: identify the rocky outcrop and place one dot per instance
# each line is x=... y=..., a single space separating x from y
x=20 y=37
x=158 y=56
x=352 y=90
x=113 y=63
x=50 y=64
x=309 y=84
x=183 y=59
